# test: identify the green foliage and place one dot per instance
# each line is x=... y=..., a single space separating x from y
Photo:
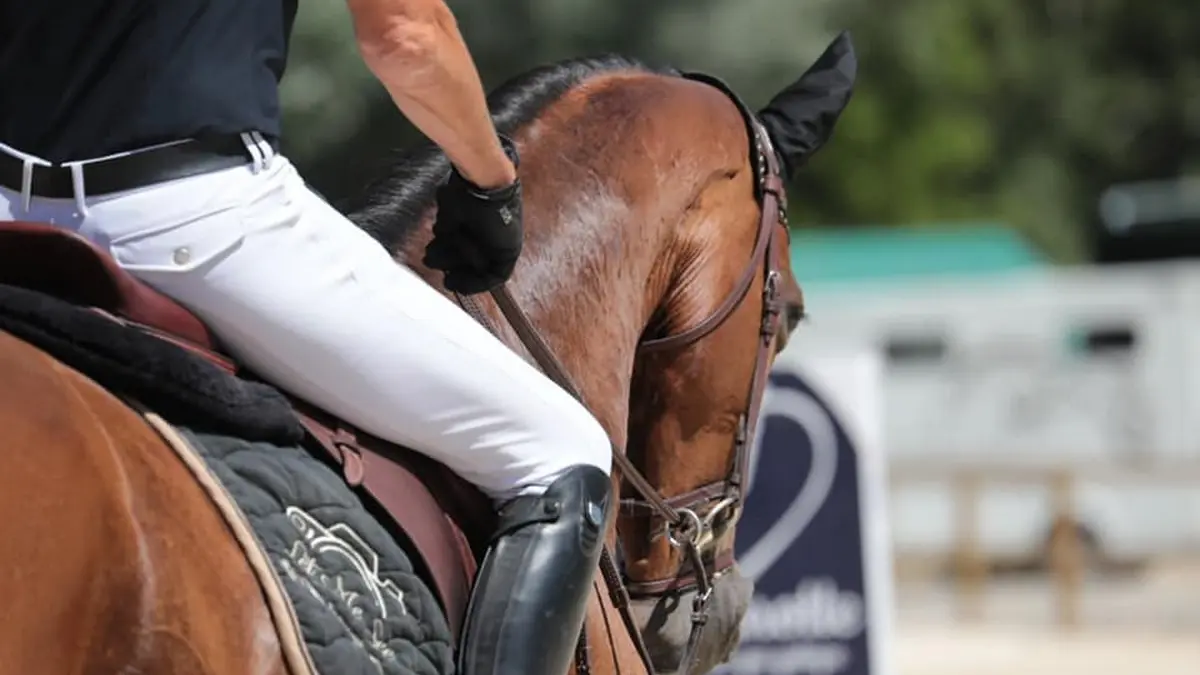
x=1022 y=110
x=327 y=92
x=966 y=110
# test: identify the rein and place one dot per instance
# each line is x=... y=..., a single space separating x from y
x=685 y=528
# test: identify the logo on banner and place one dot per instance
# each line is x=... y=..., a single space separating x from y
x=800 y=538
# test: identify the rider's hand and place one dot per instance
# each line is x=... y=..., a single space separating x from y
x=478 y=234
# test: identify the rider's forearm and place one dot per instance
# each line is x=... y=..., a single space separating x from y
x=415 y=49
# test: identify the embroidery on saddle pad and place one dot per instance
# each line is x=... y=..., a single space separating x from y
x=182 y=386
x=359 y=604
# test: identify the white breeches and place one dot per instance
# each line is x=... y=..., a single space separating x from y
x=313 y=304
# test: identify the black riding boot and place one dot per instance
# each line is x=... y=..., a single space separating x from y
x=531 y=591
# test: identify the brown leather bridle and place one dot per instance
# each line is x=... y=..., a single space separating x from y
x=690 y=518
x=725 y=495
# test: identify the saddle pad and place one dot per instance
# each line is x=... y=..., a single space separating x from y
x=184 y=387
x=343 y=594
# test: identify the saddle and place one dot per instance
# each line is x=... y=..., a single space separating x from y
x=444 y=518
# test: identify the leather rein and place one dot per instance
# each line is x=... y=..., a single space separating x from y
x=689 y=527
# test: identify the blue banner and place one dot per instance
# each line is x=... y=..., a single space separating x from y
x=802 y=538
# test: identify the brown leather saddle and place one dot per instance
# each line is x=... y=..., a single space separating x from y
x=445 y=518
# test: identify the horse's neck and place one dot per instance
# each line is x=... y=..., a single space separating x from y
x=582 y=282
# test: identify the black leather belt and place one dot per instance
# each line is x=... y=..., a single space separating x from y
x=129 y=172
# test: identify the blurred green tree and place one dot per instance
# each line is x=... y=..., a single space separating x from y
x=1023 y=110
x=340 y=124
x=1014 y=110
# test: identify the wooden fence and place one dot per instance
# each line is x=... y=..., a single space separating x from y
x=1067 y=559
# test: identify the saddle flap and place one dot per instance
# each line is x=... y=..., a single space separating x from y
x=61 y=263
x=404 y=485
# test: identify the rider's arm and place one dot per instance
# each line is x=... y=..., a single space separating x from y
x=415 y=49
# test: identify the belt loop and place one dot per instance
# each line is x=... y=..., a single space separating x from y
x=77 y=187
x=26 y=185
x=28 y=161
x=264 y=147
x=259 y=162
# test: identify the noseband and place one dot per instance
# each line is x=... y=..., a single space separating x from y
x=691 y=519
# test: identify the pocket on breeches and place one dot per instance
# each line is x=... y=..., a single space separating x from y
x=183 y=240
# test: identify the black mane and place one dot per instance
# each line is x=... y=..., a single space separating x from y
x=391 y=207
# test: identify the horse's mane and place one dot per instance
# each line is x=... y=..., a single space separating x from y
x=390 y=208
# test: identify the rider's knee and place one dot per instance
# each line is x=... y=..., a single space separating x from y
x=564 y=436
x=589 y=443
x=595 y=446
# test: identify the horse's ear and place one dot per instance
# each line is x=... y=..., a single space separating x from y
x=800 y=119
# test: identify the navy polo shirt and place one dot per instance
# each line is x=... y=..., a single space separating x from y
x=81 y=79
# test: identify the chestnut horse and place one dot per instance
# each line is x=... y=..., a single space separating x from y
x=655 y=273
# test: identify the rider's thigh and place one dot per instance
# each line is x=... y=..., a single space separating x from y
x=10 y=205
x=315 y=305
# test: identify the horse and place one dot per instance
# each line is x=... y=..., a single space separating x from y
x=655 y=285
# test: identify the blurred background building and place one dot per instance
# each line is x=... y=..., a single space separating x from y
x=1010 y=213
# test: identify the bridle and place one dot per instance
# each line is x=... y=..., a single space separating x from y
x=691 y=518
x=725 y=495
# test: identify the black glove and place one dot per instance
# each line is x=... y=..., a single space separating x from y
x=478 y=233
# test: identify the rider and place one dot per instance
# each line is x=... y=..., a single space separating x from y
x=151 y=127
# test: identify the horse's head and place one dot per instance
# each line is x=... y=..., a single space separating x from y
x=699 y=379
x=656 y=268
